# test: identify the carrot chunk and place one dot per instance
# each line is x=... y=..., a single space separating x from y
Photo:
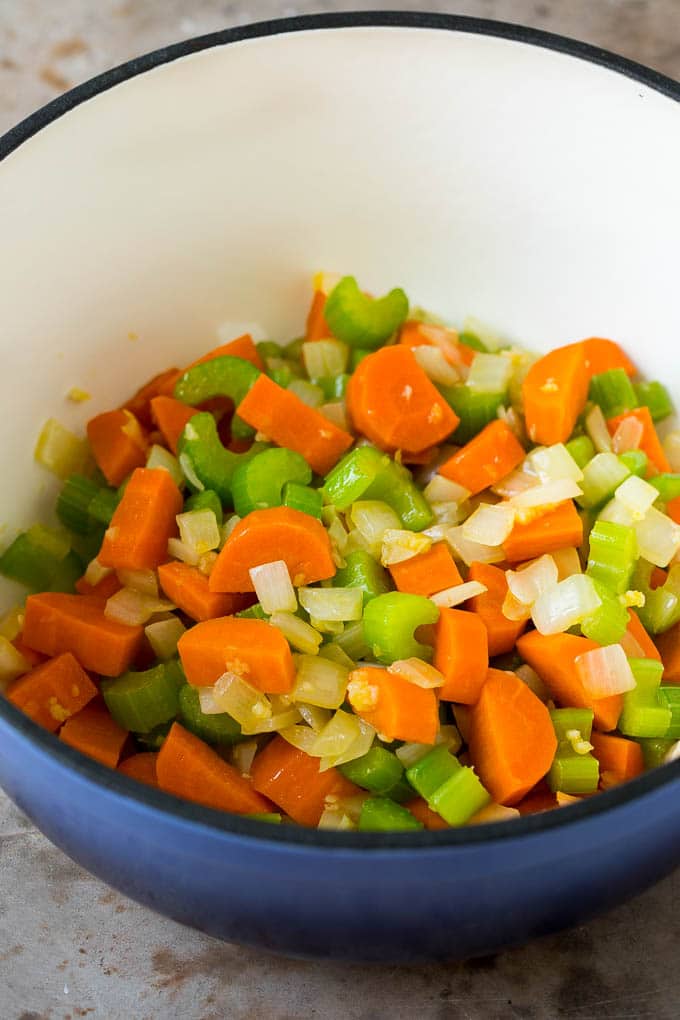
x=394 y=707
x=558 y=529
x=94 y=732
x=141 y=767
x=501 y=632
x=555 y=390
x=53 y=691
x=143 y=521
x=491 y=455
x=426 y=573
x=430 y=819
x=619 y=759
x=161 y=385
x=650 y=442
x=118 y=444
x=171 y=416
x=601 y=355
x=242 y=347
x=317 y=328
x=461 y=653
x=251 y=648
x=188 y=588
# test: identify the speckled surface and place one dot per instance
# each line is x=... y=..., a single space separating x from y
x=69 y=946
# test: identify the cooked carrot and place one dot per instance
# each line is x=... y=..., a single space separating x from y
x=463 y=719
x=289 y=422
x=251 y=648
x=242 y=347
x=555 y=390
x=540 y=799
x=279 y=533
x=461 y=653
x=512 y=740
x=422 y=458
x=161 y=385
x=619 y=759
x=32 y=657
x=118 y=443
x=141 y=767
x=650 y=442
x=142 y=523
x=667 y=650
x=394 y=707
x=430 y=819
x=291 y=778
x=56 y=623
x=658 y=578
x=317 y=328
x=673 y=509
x=553 y=657
x=53 y=691
x=501 y=632
x=428 y=572
x=391 y=400
x=188 y=588
x=189 y=768
x=491 y=455
x=601 y=355
x=418 y=334
x=171 y=416
x=638 y=632
x=558 y=529
x=104 y=589
x=94 y=732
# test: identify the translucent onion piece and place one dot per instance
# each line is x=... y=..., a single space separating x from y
x=327 y=626
x=337 y=736
x=443 y=490
x=60 y=451
x=332 y=604
x=372 y=519
x=605 y=671
x=334 y=819
x=314 y=716
x=320 y=681
x=337 y=654
x=473 y=552
x=159 y=457
x=277 y=721
x=565 y=799
x=307 y=392
x=399 y=545
x=493 y=813
x=198 y=529
x=187 y=465
x=516 y=482
x=273 y=587
x=336 y=412
x=302 y=737
x=144 y=581
x=133 y=608
x=533 y=681
x=565 y=605
x=616 y=513
x=673 y=753
x=410 y=753
x=490 y=524
x=208 y=702
x=553 y=463
x=12 y=663
x=513 y=609
x=96 y=572
x=489 y=373
x=298 y=634
x=243 y=755
x=447 y=515
x=206 y=562
x=490 y=337
x=12 y=623
x=636 y=495
x=567 y=562
x=435 y=365
x=417 y=672
x=627 y=435
x=453 y=596
x=361 y=746
x=658 y=538
x=632 y=646
x=546 y=494
x=531 y=581
x=596 y=427
x=228 y=527
x=351 y=805
x=179 y=550
x=671 y=446
x=163 y=636
x=243 y=702
x=325 y=357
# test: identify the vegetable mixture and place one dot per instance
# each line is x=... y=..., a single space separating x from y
x=389 y=576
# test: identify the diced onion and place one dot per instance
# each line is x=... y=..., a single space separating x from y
x=297 y=633
x=187 y=465
x=628 y=435
x=458 y=593
x=443 y=490
x=658 y=537
x=532 y=580
x=491 y=339
x=636 y=495
x=546 y=494
x=565 y=605
x=325 y=358
x=417 y=672
x=179 y=550
x=320 y=681
x=671 y=446
x=554 y=463
x=159 y=457
x=513 y=609
x=435 y=365
x=447 y=515
x=314 y=716
x=567 y=562
x=144 y=581
x=410 y=753
x=332 y=604
x=96 y=572
x=605 y=671
x=12 y=663
x=632 y=646
x=673 y=753
x=12 y=623
x=335 y=819
x=327 y=626
x=516 y=482
x=198 y=529
x=243 y=755
x=243 y=702
x=307 y=392
x=337 y=654
x=60 y=451
x=337 y=736
x=278 y=720
x=473 y=552
x=336 y=411
x=565 y=799
x=596 y=427
x=302 y=737
x=357 y=749
x=228 y=527
x=133 y=608
x=489 y=373
x=372 y=519
x=493 y=813
x=399 y=545
x=273 y=587
x=490 y=524
x=533 y=681
x=163 y=636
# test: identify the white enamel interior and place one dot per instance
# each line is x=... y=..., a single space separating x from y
x=532 y=189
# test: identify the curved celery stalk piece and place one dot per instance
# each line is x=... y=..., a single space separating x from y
x=205 y=460
x=362 y=321
x=361 y=570
x=573 y=772
x=662 y=605
x=390 y=622
x=258 y=483
x=367 y=473
x=220 y=377
x=645 y=713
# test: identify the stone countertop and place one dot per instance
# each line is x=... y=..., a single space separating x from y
x=71 y=947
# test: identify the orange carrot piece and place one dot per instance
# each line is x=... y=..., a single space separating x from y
x=601 y=355
x=638 y=632
x=501 y=632
x=188 y=588
x=104 y=589
x=668 y=651
x=619 y=759
x=251 y=648
x=161 y=385
x=422 y=458
x=463 y=719
x=512 y=740
x=56 y=623
x=289 y=422
x=171 y=416
x=94 y=732
x=422 y=334
x=32 y=657
x=553 y=657
x=118 y=444
x=391 y=401
x=427 y=572
x=291 y=778
x=242 y=347
x=142 y=523
x=394 y=707
x=461 y=653
x=558 y=529
x=278 y=533
x=555 y=390
x=491 y=455
x=430 y=819
x=53 y=691
x=141 y=767
x=188 y=768
x=540 y=799
x=673 y=509
x=650 y=442
x=658 y=578
x=316 y=327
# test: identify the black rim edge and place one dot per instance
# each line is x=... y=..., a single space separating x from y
x=233 y=824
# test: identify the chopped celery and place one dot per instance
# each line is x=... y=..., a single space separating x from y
x=271 y=817
x=206 y=463
x=654 y=395
x=220 y=377
x=217 y=728
x=325 y=358
x=644 y=713
x=206 y=500
x=390 y=621
x=362 y=321
x=357 y=355
x=41 y=559
x=662 y=605
x=668 y=486
x=332 y=386
x=352 y=641
x=367 y=473
x=613 y=554
x=670 y=698
x=303 y=498
x=293 y=350
x=474 y=408
x=581 y=450
x=142 y=701
x=378 y=771
x=103 y=504
x=379 y=814
x=609 y=622
x=471 y=340
x=450 y=789
x=258 y=482
x=654 y=750
x=635 y=461
x=361 y=570
x=613 y=391
x=269 y=349
x=73 y=504
x=432 y=771
x=574 y=769
x=601 y=477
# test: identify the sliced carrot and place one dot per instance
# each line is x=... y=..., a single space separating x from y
x=251 y=648
x=430 y=819
x=601 y=355
x=394 y=707
x=673 y=509
x=171 y=416
x=461 y=653
x=53 y=691
x=619 y=759
x=540 y=799
x=491 y=455
x=428 y=572
x=104 y=589
x=94 y=732
x=512 y=740
x=291 y=778
x=32 y=657
x=279 y=533
x=558 y=529
x=463 y=719
x=161 y=385
x=553 y=657
x=650 y=442
x=141 y=767
x=668 y=651
x=188 y=588
x=420 y=459
x=118 y=443
x=188 y=768
x=55 y=623
x=142 y=523
x=422 y=334
x=289 y=422
x=501 y=632
x=638 y=632
x=242 y=347
x=317 y=328
x=555 y=390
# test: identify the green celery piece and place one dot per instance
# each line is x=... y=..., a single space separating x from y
x=334 y=386
x=357 y=355
x=655 y=396
x=201 y=450
x=662 y=605
x=635 y=461
x=474 y=409
x=601 y=477
x=361 y=570
x=401 y=791
x=581 y=450
x=609 y=622
x=565 y=719
x=155 y=738
x=293 y=350
x=352 y=641
x=668 y=486
x=390 y=621
x=472 y=340
x=221 y=377
x=460 y=797
x=142 y=701
x=644 y=714
x=255 y=612
x=206 y=500
x=73 y=505
x=303 y=498
x=362 y=321
x=654 y=750
x=214 y=729
x=103 y=505
x=571 y=772
x=378 y=771
x=36 y=559
x=613 y=555
x=367 y=473
x=379 y=814
x=282 y=372
x=258 y=482
x=613 y=391
x=670 y=698
x=67 y=571
x=432 y=771
x=272 y=817
x=268 y=349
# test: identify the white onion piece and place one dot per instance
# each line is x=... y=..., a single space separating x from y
x=96 y=572
x=399 y=545
x=636 y=495
x=297 y=632
x=632 y=646
x=493 y=813
x=565 y=605
x=519 y=480
x=443 y=490
x=671 y=446
x=453 y=596
x=628 y=435
x=273 y=587
x=12 y=663
x=435 y=365
x=163 y=636
x=319 y=681
x=179 y=550
x=489 y=373
x=243 y=755
x=673 y=753
x=658 y=537
x=530 y=582
x=472 y=552
x=417 y=672
x=489 y=524
x=410 y=753
x=567 y=562
x=533 y=681
x=554 y=463
x=616 y=513
x=596 y=427
x=133 y=609
x=144 y=581
x=199 y=529
x=336 y=412
x=234 y=695
x=546 y=494
x=605 y=671
x=513 y=609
